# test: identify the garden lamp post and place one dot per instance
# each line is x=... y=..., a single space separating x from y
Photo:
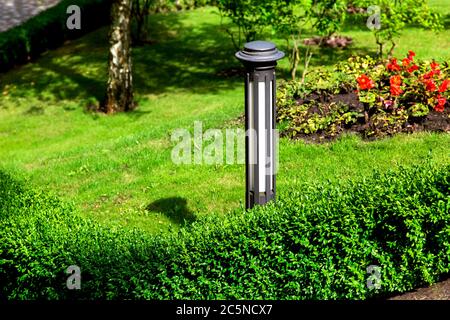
x=260 y=59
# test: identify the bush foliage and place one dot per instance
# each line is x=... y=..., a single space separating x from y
x=311 y=244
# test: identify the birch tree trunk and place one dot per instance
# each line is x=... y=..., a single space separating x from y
x=119 y=93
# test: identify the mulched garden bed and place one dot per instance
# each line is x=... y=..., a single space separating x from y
x=434 y=121
x=370 y=97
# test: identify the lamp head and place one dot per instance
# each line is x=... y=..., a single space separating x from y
x=259 y=54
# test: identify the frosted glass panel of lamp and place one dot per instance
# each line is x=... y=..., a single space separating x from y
x=270 y=171
x=262 y=152
x=251 y=135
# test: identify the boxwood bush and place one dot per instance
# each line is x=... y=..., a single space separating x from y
x=48 y=31
x=313 y=243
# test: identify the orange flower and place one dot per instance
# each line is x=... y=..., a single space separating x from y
x=396 y=90
x=434 y=65
x=395 y=80
x=406 y=62
x=364 y=82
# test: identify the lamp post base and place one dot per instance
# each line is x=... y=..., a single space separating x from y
x=260 y=199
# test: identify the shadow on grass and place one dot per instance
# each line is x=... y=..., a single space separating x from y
x=34 y=110
x=175 y=208
x=177 y=58
x=446 y=21
x=85 y=86
x=190 y=62
x=183 y=55
x=355 y=22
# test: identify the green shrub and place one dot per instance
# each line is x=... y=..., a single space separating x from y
x=48 y=30
x=313 y=243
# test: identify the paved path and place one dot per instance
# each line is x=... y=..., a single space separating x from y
x=438 y=291
x=15 y=12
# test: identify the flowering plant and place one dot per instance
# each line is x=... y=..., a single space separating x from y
x=372 y=97
x=409 y=86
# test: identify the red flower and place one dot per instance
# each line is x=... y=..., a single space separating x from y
x=412 y=68
x=430 y=85
x=439 y=108
x=434 y=65
x=444 y=85
x=396 y=90
x=411 y=55
x=440 y=104
x=393 y=65
x=406 y=62
x=428 y=75
x=364 y=82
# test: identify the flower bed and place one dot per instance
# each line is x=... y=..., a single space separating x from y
x=372 y=98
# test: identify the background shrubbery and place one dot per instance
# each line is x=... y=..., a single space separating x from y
x=48 y=30
x=314 y=243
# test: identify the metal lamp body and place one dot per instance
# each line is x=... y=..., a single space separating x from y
x=259 y=58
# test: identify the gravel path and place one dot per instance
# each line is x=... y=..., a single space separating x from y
x=15 y=12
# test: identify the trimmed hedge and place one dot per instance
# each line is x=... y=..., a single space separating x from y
x=312 y=244
x=48 y=31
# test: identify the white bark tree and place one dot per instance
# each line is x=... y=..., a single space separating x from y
x=119 y=93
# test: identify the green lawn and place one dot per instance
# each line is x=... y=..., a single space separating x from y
x=118 y=169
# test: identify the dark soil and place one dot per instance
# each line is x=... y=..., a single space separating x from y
x=434 y=121
x=351 y=99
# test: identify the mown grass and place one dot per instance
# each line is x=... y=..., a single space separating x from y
x=118 y=168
